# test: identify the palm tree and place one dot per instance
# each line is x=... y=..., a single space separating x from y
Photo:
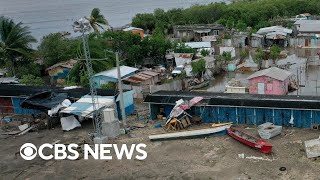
x=15 y=41
x=97 y=20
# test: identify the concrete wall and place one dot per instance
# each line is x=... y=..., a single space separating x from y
x=240 y=90
x=272 y=86
x=173 y=86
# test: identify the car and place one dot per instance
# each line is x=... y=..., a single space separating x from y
x=177 y=71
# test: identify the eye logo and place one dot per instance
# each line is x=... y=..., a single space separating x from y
x=28 y=151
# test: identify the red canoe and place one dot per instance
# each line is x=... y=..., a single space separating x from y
x=251 y=141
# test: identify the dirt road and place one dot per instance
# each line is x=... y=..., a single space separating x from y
x=202 y=158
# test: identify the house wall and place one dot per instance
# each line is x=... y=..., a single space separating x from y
x=11 y=105
x=140 y=32
x=173 y=86
x=58 y=74
x=100 y=80
x=304 y=42
x=272 y=86
x=257 y=42
x=231 y=89
x=128 y=103
x=245 y=115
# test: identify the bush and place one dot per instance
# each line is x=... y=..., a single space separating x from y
x=31 y=80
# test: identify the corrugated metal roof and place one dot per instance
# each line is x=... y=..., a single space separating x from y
x=197 y=45
x=67 y=64
x=243 y=100
x=273 y=72
x=132 y=29
x=278 y=29
x=83 y=107
x=141 y=76
x=113 y=73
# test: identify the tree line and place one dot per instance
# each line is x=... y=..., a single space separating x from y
x=239 y=14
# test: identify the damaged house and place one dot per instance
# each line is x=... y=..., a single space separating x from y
x=197 y=31
x=275 y=35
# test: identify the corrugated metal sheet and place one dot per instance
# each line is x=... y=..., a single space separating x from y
x=250 y=116
x=273 y=72
x=113 y=73
x=83 y=107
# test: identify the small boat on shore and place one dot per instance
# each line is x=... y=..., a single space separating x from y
x=191 y=133
x=199 y=86
x=251 y=141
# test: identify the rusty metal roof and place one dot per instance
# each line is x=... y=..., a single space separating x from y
x=141 y=76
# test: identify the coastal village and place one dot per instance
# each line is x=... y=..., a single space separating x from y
x=209 y=101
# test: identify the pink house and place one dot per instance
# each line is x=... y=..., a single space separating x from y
x=273 y=81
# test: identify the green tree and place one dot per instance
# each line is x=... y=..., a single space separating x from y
x=226 y=56
x=101 y=60
x=96 y=20
x=31 y=80
x=260 y=54
x=55 y=48
x=198 y=67
x=241 y=26
x=275 y=52
x=15 y=43
x=183 y=48
x=144 y=21
x=204 y=52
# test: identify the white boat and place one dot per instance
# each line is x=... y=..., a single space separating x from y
x=190 y=134
x=269 y=130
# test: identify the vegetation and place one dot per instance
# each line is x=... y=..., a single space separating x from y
x=204 y=52
x=15 y=43
x=198 y=67
x=252 y=13
x=55 y=48
x=109 y=85
x=226 y=56
x=96 y=20
x=183 y=48
x=31 y=80
x=260 y=54
x=275 y=52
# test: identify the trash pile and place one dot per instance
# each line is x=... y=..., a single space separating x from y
x=179 y=118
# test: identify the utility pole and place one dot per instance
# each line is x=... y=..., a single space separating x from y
x=123 y=113
x=83 y=26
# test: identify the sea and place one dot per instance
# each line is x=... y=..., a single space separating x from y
x=47 y=16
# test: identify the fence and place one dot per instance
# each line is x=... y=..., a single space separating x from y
x=251 y=116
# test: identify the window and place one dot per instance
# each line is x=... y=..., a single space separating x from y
x=216 y=32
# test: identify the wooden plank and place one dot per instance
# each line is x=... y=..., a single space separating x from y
x=11 y=133
x=221 y=124
x=191 y=133
x=25 y=131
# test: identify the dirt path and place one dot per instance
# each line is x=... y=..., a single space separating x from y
x=203 y=158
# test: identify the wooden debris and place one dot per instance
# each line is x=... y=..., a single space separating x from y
x=221 y=124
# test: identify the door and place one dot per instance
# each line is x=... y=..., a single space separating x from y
x=260 y=88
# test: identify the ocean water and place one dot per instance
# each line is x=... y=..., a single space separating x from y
x=46 y=16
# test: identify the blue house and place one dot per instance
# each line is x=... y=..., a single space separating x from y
x=303 y=111
x=112 y=75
